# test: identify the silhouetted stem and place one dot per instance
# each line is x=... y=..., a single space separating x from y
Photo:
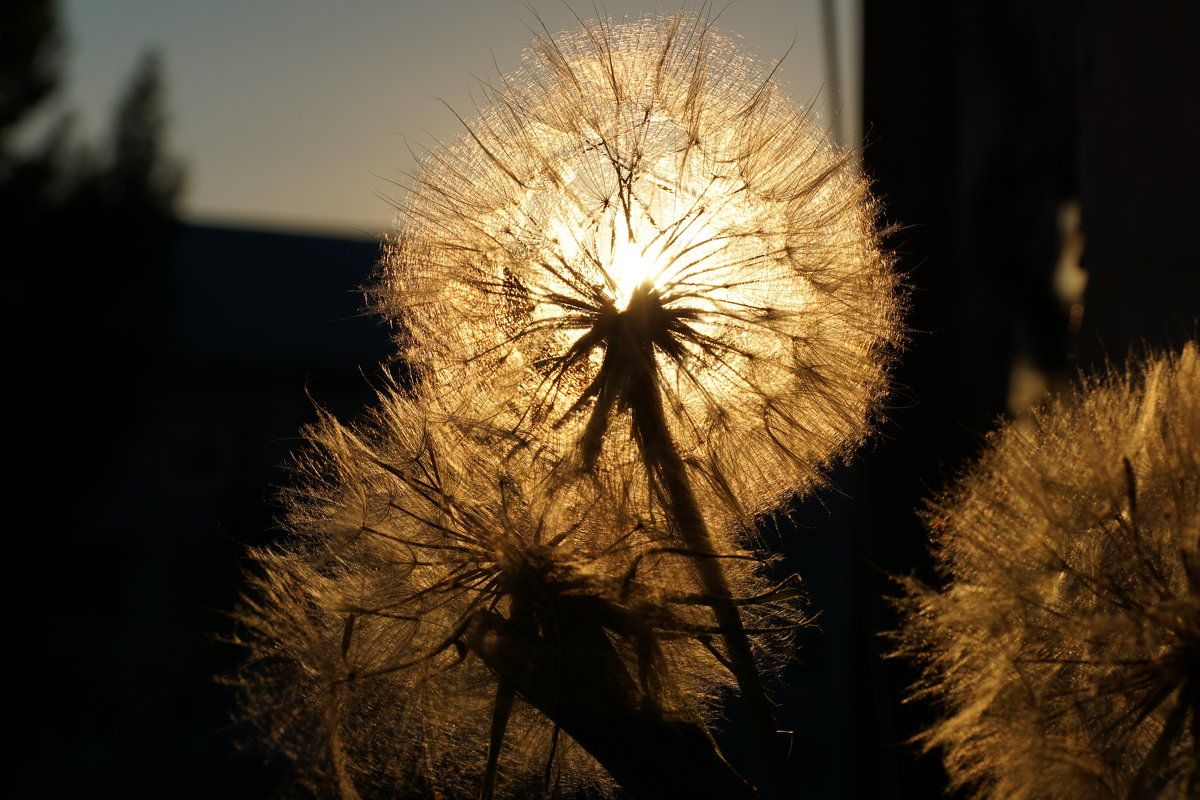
x=581 y=683
x=629 y=377
x=505 y=693
x=1193 y=783
x=668 y=471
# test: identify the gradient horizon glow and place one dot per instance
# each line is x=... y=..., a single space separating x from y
x=301 y=115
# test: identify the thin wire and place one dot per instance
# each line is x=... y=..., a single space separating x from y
x=833 y=75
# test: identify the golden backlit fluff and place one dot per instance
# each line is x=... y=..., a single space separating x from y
x=1065 y=648
x=642 y=252
x=640 y=203
x=414 y=545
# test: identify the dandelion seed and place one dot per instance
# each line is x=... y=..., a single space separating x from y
x=437 y=601
x=1065 y=648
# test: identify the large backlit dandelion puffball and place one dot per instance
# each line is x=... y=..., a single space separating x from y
x=647 y=183
x=1065 y=650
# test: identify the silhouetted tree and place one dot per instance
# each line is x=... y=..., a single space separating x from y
x=125 y=208
x=87 y=235
x=30 y=57
x=87 y=230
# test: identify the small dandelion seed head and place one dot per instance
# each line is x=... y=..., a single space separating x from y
x=641 y=204
x=405 y=528
x=1065 y=647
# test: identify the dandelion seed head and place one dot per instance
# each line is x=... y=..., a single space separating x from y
x=405 y=527
x=1065 y=648
x=640 y=202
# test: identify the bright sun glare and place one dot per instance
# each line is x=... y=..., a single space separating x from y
x=628 y=266
x=680 y=220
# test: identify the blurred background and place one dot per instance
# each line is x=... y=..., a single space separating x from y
x=193 y=193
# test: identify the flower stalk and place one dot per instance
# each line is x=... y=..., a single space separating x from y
x=580 y=682
x=628 y=376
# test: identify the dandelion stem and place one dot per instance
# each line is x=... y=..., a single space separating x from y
x=583 y=686
x=522 y=619
x=666 y=468
x=1194 y=779
x=505 y=694
x=629 y=377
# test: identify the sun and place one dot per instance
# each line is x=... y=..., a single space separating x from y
x=628 y=265
x=672 y=222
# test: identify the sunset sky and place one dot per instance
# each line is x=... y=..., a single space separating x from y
x=297 y=113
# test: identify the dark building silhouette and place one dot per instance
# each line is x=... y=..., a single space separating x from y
x=1139 y=170
x=263 y=327
x=983 y=120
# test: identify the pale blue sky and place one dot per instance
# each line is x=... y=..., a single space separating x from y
x=294 y=113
